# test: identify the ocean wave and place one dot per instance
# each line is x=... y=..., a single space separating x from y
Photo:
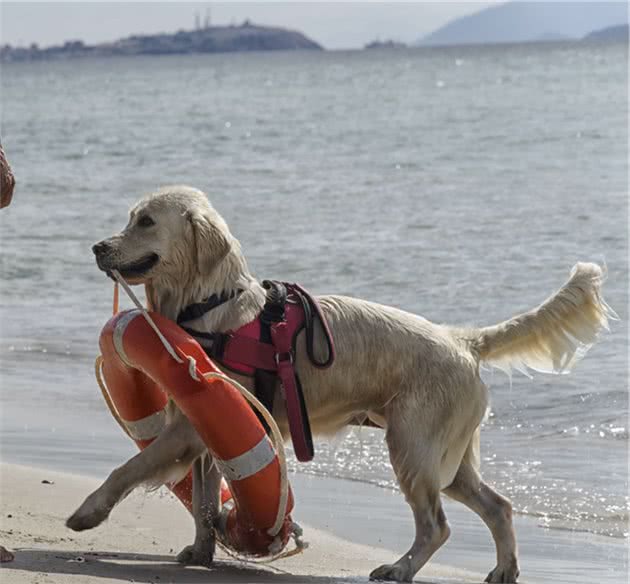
x=613 y=431
x=557 y=498
x=34 y=350
x=613 y=523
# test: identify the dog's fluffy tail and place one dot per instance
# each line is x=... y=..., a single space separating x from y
x=554 y=336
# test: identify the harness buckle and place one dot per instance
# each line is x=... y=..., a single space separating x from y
x=284 y=358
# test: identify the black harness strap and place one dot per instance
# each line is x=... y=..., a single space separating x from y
x=264 y=381
x=197 y=310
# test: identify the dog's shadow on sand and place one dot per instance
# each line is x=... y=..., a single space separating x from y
x=153 y=568
x=158 y=569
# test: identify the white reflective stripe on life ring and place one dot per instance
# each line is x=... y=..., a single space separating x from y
x=147 y=428
x=221 y=523
x=248 y=463
x=119 y=331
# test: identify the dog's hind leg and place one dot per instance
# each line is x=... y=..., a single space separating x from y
x=417 y=467
x=206 y=494
x=496 y=512
x=166 y=459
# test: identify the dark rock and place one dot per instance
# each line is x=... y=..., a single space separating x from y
x=390 y=44
x=214 y=39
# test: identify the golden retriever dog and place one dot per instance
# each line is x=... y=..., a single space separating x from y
x=418 y=380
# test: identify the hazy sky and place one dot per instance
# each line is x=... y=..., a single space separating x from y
x=333 y=24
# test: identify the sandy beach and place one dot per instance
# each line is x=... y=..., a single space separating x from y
x=140 y=540
x=351 y=528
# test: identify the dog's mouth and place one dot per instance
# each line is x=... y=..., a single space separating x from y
x=135 y=269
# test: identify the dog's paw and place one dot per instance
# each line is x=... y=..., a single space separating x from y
x=193 y=555
x=391 y=573
x=80 y=522
x=87 y=516
x=504 y=574
x=6 y=555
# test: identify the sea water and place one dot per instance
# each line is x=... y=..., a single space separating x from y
x=460 y=184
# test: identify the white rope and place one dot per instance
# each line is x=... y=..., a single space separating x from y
x=192 y=367
x=98 y=372
x=144 y=312
x=192 y=370
x=300 y=546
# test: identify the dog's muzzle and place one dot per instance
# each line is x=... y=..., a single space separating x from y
x=105 y=255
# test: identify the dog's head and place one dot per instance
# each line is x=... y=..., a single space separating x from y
x=173 y=234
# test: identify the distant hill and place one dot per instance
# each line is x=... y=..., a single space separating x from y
x=515 y=22
x=214 y=39
x=611 y=33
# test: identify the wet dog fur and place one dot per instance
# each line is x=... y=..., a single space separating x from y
x=418 y=380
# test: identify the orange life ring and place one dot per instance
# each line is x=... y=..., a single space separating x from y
x=140 y=375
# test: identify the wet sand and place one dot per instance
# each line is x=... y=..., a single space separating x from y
x=139 y=541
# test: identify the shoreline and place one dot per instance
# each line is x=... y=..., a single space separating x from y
x=139 y=541
x=351 y=528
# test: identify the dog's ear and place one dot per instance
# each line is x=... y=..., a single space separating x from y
x=211 y=239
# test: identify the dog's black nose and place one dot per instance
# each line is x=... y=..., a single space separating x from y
x=100 y=247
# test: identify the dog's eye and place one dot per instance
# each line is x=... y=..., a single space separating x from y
x=145 y=221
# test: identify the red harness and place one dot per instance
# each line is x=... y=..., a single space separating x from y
x=267 y=344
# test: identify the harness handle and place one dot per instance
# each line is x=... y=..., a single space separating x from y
x=274 y=312
x=310 y=306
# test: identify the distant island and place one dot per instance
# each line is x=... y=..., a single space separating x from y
x=522 y=22
x=611 y=33
x=210 y=39
x=390 y=44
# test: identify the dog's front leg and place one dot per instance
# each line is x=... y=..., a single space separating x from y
x=206 y=495
x=166 y=459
